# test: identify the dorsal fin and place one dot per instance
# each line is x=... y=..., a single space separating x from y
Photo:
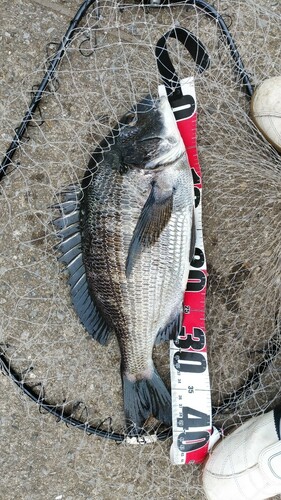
x=71 y=255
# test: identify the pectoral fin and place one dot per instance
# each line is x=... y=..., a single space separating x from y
x=154 y=217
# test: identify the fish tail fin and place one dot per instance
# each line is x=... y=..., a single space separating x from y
x=145 y=397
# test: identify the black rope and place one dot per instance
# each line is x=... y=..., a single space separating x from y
x=165 y=65
x=208 y=9
x=238 y=64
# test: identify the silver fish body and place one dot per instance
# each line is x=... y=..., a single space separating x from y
x=135 y=222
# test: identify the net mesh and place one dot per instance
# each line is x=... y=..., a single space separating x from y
x=109 y=66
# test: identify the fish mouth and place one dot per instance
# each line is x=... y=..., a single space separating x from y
x=168 y=157
x=171 y=146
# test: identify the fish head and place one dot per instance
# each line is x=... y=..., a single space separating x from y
x=149 y=136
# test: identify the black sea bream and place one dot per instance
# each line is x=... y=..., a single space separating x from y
x=127 y=242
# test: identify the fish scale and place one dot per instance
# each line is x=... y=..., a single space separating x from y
x=146 y=277
x=133 y=220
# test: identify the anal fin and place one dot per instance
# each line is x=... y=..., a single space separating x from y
x=171 y=330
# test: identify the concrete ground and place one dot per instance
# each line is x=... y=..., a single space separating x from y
x=39 y=457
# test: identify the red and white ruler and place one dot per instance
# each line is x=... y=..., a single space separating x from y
x=190 y=384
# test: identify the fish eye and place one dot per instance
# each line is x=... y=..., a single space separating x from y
x=131 y=119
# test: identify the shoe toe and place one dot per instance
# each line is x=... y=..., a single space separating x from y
x=242 y=466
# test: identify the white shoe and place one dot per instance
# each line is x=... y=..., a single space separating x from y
x=246 y=465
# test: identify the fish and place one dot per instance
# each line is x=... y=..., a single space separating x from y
x=127 y=239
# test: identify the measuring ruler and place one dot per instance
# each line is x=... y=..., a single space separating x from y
x=190 y=385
